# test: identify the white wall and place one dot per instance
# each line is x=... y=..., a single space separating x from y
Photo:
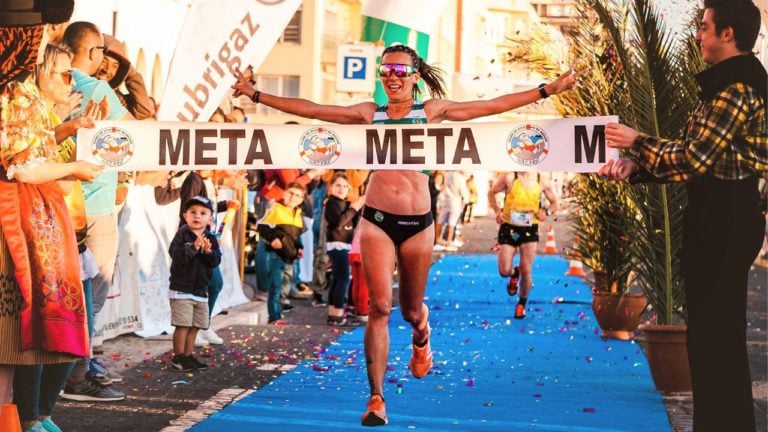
x=151 y=25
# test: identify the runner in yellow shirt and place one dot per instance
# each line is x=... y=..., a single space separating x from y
x=519 y=228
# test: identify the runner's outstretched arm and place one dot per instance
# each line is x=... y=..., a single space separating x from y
x=361 y=113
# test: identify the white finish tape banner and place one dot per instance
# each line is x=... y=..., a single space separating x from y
x=572 y=144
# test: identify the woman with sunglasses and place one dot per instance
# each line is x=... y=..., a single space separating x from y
x=54 y=80
x=396 y=217
x=43 y=321
x=36 y=387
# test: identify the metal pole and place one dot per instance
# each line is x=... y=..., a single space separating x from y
x=459 y=15
x=243 y=228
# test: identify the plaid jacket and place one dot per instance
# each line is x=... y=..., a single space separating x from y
x=726 y=136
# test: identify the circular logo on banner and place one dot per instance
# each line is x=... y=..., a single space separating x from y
x=270 y=2
x=112 y=146
x=527 y=144
x=319 y=146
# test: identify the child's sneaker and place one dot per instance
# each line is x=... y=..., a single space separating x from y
x=180 y=362
x=317 y=300
x=101 y=379
x=197 y=363
x=98 y=368
x=211 y=337
x=376 y=414
x=342 y=321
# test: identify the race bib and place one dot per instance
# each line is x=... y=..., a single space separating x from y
x=521 y=219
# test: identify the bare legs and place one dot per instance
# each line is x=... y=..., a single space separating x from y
x=527 y=254
x=378 y=260
x=414 y=256
x=6 y=384
x=506 y=255
x=184 y=340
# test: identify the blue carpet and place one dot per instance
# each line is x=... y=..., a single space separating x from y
x=549 y=372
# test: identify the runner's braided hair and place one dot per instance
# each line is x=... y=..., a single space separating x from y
x=432 y=75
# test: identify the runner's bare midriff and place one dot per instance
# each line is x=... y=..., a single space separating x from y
x=399 y=192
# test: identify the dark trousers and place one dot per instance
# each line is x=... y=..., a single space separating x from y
x=271 y=275
x=80 y=367
x=88 y=294
x=723 y=233
x=36 y=388
x=261 y=264
x=320 y=265
x=337 y=296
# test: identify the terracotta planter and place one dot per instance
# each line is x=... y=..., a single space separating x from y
x=665 y=349
x=618 y=315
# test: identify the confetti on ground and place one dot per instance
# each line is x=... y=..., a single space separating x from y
x=481 y=361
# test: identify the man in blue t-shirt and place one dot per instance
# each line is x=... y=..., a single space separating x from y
x=87 y=44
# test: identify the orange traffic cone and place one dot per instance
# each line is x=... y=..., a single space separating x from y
x=550 y=247
x=575 y=267
x=9 y=419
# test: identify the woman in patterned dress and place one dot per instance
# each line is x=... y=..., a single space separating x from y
x=42 y=313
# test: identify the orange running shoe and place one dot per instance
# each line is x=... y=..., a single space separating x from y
x=519 y=311
x=512 y=284
x=376 y=415
x=421 y=357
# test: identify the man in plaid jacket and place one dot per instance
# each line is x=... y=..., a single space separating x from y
x=721 y=157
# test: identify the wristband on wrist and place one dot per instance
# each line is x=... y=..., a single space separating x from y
x=255 y=96
x=543 y=91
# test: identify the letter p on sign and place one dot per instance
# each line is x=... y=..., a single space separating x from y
x=354 y=67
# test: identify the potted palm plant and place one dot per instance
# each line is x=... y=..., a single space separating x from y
x=639 y=71
x=605 y=212
x=658 y=71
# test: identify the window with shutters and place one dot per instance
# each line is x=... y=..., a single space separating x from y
x=292 y=33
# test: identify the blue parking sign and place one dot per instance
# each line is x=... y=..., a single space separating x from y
x=354 y=67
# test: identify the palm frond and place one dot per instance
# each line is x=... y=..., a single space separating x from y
x=660 y=84
x=657 y=255
x=640 y=72
x=601 y=224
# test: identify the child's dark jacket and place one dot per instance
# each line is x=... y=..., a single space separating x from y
x=191 y=269
x=285 y=224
